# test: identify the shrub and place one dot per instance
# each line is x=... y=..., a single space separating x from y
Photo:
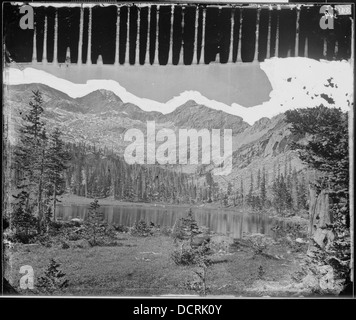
x=166 y=231
x=44 y=240
x=184 y=254
x=93 y=223
x=201 y=272
x=261 y=272
x=65 y=245
x=193 y=284
x=75 y=223
x=73 y=236
x=94 y=230
x=23 y=223
x=190 y=251
x=22 y=237
x=259 y=244
x=185 y=228
x=53 y=279
x=56 y=225
x=120 y=228
x=108 y=231
x=141 y=229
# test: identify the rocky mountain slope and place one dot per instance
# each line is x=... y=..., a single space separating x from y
x=102 y=118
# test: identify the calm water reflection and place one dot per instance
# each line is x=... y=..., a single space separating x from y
x=227 y=222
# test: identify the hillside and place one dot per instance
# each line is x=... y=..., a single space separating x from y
x=101 y=118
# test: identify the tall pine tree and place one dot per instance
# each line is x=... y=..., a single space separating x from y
x=57 y=163
x=29 y=156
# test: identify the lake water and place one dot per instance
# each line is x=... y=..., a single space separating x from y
x=228 y=222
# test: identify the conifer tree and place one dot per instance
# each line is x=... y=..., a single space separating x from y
x=93 y=222
x=263 y=194
x=250 y=192
x=302 y=194
x=258 y=178
x=210 y=182
x=57 y=162
x=327 y=151
x=294 y=189
x=30 y=154
x=242 y=195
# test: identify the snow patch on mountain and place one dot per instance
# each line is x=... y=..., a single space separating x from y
x=296 y=83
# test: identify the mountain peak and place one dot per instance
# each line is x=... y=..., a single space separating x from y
x=100 y=100
x=106 y=94
x=190 y=103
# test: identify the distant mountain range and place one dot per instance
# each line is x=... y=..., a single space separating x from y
x=101 y=118
x=103 y=104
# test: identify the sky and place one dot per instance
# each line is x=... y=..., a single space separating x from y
x=227 y=83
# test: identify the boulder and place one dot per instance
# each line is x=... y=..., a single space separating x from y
x=325 y=269
x=327 y=282
x=322 y=237
x=199 y=240
x=311 y=282
x=77 y=220
x=312 y=251
x=300 y=240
